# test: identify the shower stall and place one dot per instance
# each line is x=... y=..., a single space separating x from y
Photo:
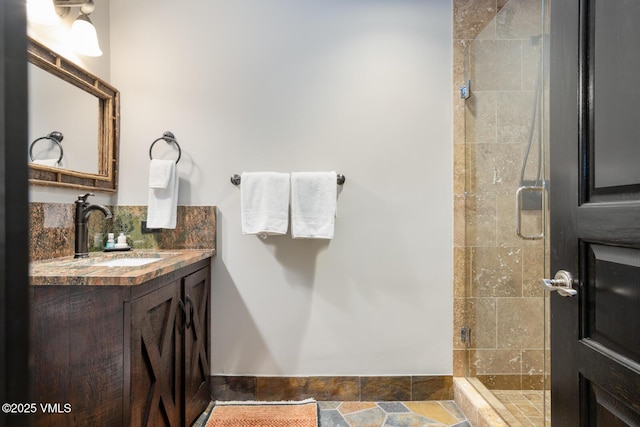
x=501 y=210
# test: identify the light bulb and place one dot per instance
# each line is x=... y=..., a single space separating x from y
x=84 y=37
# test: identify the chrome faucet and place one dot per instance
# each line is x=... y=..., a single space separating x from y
x=83 y=210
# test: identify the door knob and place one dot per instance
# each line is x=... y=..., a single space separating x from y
x=562 y=282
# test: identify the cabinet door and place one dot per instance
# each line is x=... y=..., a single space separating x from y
x=196 y=343
x=156 y=363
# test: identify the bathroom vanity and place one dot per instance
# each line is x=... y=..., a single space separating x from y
x=121 y=338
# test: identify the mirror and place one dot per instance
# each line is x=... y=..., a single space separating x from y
x=55 y=105
x=85 y=110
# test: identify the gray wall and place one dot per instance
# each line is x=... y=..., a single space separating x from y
x=362 y=87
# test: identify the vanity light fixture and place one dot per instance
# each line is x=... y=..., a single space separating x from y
x=83 y=34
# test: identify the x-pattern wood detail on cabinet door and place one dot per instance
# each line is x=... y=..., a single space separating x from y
x=159 y=361
x=158 y=347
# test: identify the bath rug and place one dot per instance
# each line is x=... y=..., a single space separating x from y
x=302 y=413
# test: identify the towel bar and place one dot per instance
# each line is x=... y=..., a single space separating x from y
x=235 y=179
x=168 y=137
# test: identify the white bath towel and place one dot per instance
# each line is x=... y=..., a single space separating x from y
x=264 y=203
x=163 y=202
x=46 y=162
x=313 y=204
x=160 y=173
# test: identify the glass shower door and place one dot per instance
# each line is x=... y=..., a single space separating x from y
x=506 y=210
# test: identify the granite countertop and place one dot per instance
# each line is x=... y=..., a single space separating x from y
x=86 y=271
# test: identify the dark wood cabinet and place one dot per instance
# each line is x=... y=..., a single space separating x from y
x=197 y=391
x=123 y=355
x=169 y=353
x=156 y=373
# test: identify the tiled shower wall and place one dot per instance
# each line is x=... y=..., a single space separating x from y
x=496 y=274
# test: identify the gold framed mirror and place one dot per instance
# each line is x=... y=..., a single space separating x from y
x=100 y=177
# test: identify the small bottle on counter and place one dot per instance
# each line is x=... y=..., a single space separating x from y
x=122 y=241
x=110 y=242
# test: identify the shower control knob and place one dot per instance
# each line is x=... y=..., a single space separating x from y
x=562 y=282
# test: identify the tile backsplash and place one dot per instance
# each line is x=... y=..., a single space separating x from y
x=51 y=229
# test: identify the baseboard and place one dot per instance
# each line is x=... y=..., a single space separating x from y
x=327 y=388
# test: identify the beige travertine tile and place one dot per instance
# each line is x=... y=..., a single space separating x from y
x=496 y=64
x=460 y=62
x=496 y=361
x=501 y=381
x=533 y=361
x=532 y=382
x=459 y=168
x=496 y=272
x=501 y=4
x=460 y=319
x=470 y=17
x=460 y=363
x=459 y=223
x=503 y=64
x=480 y=219
x=506 y=216
x=533 y=263
x=494 y=167
x=481 y=317
x=535 y=397
x=460 y=274
x=515 y=328
x=459 y=111
x=467 y=400
x=480 y=118
x=519 y=19
x=514 y=112
x=488 y=32
x=530 y=410
x=489 y=418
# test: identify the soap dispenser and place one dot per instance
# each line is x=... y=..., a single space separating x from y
x=122 y=241
x=110 y=242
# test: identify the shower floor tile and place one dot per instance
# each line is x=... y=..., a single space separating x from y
x=527 y=407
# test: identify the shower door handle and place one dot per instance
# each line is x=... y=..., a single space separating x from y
x=519 y=194
x=562 y=282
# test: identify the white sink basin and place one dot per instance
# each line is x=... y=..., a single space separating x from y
x=127 y=262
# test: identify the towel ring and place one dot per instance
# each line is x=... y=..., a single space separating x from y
x=168 y=137
x=55 y=137
x=236 y=179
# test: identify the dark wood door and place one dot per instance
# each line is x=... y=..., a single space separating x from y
x=196 y=344
x=595 y=211
x=14 y=217
x=156 y=363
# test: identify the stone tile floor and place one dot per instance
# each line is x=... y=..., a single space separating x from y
x=391 y=414
x=384 y=414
